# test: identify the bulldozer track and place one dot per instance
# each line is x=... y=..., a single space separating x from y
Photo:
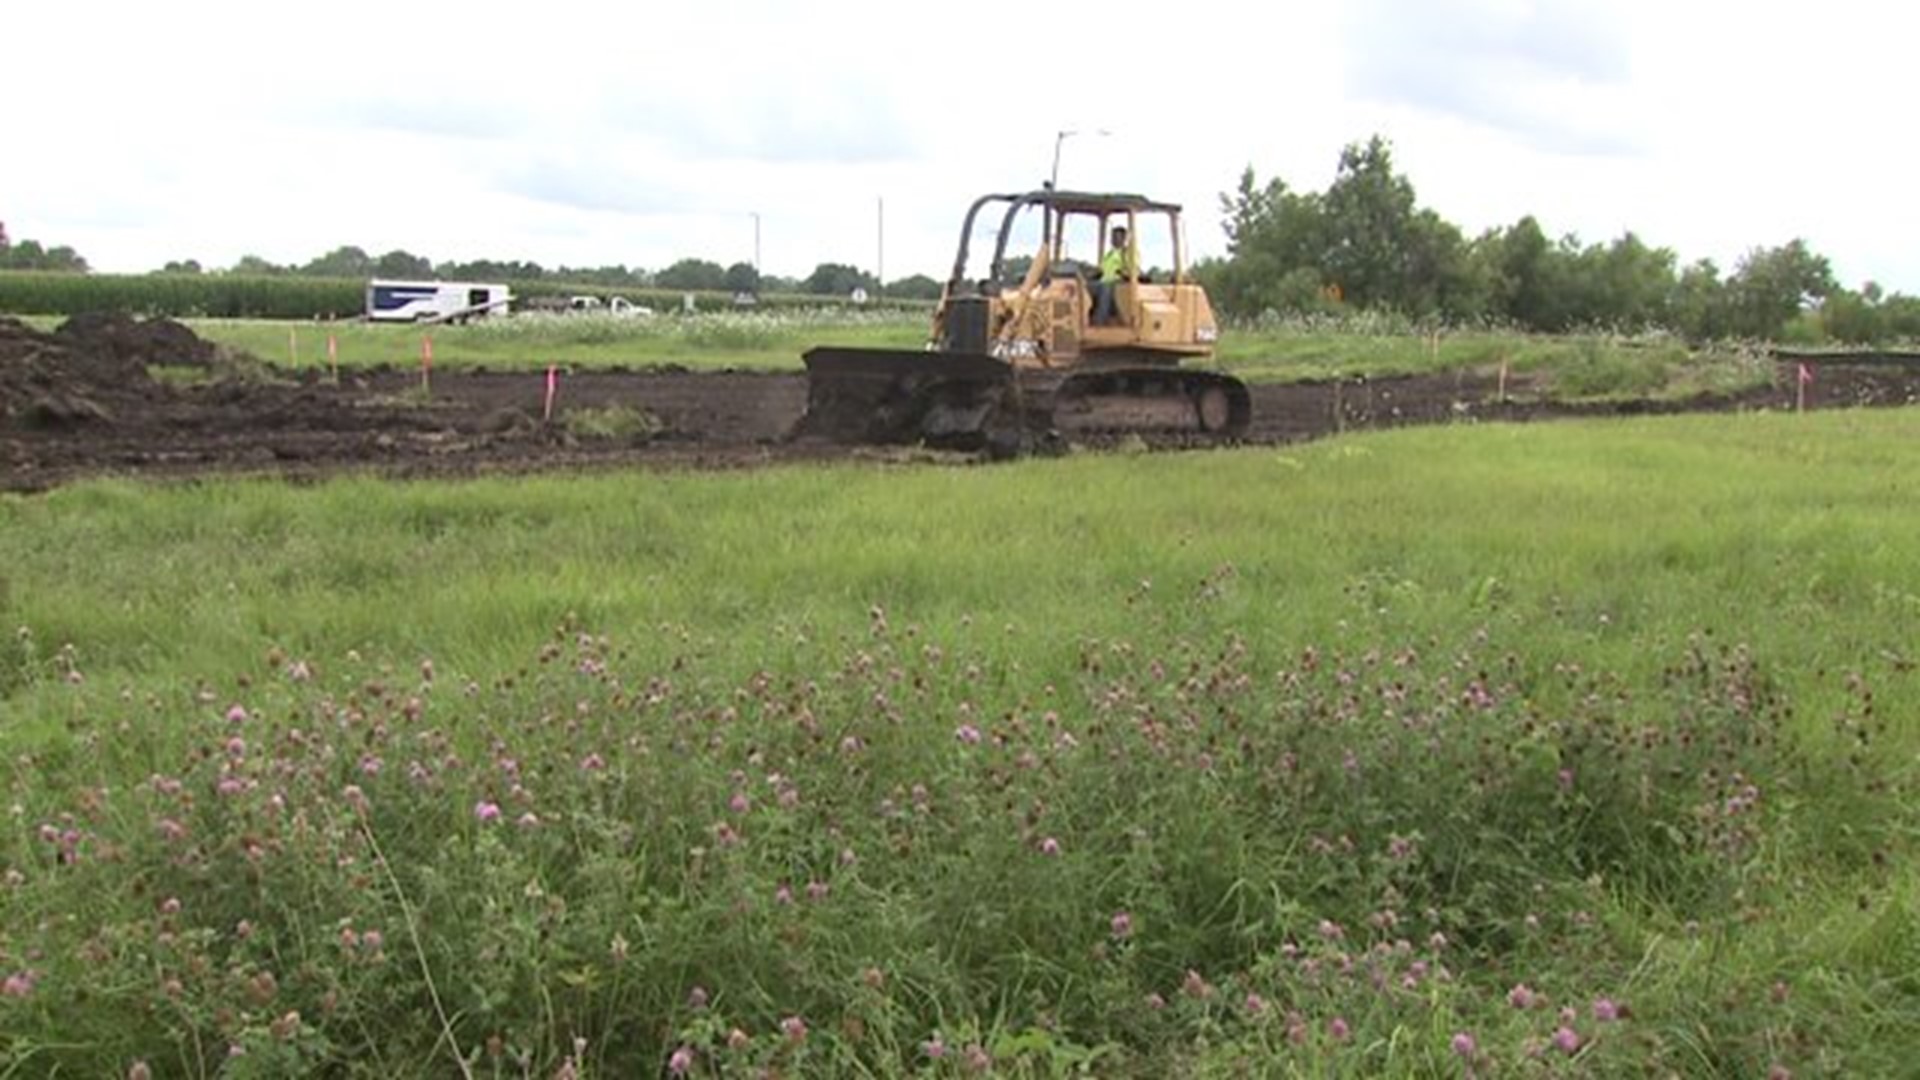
x=1204 y=407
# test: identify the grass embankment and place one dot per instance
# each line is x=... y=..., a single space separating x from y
x=1582 y=749
x=1563 y=367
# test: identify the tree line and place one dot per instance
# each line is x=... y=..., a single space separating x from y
x=697 y=275
x=349 y=261
x=33 y=255
x=1365 y=243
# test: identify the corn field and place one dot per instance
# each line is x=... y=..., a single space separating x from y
x=275 y=296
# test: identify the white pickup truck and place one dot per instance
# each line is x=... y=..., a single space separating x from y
x=618 y=305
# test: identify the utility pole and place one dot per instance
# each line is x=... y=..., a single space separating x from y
x=756 y=241
x=880 y=256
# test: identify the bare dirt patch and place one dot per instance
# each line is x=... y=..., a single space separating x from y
x=80 y=402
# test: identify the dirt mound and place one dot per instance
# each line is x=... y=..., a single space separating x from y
x=91 y=371
x=135 y=343
x=47 y=380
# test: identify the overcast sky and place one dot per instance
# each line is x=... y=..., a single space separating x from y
x=576 y=134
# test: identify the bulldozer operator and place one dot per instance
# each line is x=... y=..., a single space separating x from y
x=1116 y=266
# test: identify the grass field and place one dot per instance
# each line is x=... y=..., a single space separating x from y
x=1581 y=749
x=771 y=342
x=1564 y=367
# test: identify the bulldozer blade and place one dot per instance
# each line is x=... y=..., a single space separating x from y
x=899 y=395
x=895 y=364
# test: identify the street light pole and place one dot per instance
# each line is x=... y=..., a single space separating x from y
x=1059 y=138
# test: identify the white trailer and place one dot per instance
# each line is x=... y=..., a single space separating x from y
x=434 y=301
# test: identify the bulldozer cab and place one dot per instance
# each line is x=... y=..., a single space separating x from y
x=1027 y=278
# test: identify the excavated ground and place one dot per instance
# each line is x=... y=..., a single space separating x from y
x=79 y=402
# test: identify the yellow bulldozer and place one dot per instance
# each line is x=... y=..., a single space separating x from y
x=1030 y=359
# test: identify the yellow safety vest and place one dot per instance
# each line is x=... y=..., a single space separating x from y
x=1113 y=265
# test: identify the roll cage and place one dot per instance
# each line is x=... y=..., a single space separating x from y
x=1057 y=206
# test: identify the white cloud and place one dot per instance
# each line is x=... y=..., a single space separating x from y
x=1551 y=75
x=582 y=134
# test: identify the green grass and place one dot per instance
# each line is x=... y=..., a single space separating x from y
x=769 y=341
x=1414 y=520
x=1559 y=367
x=1242 y=694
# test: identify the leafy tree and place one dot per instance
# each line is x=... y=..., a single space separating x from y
x=915 y=287
x=401 y=264
x=1631 y=283
x=1869 y=316
x=1370 y=224
x=1437 y=278
x=1900 y=316
x=1853 y=317
x=254 y=264
x=1251 y=210
x=1275 y=239
x=490 y=270
x=25 y=255
x=470 y=270
x=4 y=242
x=66 y=259
x=348 y=261
x=613 y=277
x=1623 y=285
x=838 y=279
x=742 y=278
x=1524 y=287
x=181 y=266
x=1697 y=305
x=32 y=255
x=1772 y=285
x=695 y=274
x=1366 y=242
x=1363 y=242
x=1304 y=288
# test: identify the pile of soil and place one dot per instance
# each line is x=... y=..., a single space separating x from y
x=137 y=342
x=62 y=380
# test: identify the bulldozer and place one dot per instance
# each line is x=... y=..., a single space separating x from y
x=1026 y=360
